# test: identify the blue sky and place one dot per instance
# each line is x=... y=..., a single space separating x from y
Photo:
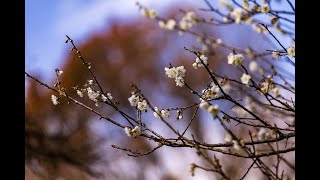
x=47 y=23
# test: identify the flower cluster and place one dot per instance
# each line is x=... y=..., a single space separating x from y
x=188 y=20
x=164 y=113
x=54 y=100
x=105 y=98
x=237 y=14
x=226 y=4
x=141 y=105
x=169 y=25
x=211 y=92
x=263 y=134
x=92 y=94
x=151 y=14
x=235 y=59
x=265 y=87
x=176 y=72
x=80 y=93
x=90 y=82
x=136 y=131
x=198 y=62
x=95 y=96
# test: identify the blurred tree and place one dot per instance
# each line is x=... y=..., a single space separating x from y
x=60 y=136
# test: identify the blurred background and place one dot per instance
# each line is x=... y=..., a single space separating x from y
x=67 y=142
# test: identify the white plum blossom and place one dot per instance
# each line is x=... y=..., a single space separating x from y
x=291 y=52
x=58 y=72
x=237 y=14
x=143 y=106
x=156 y=113
x=134 y=99
x=253 y=66
x=185 y=25
x=104 y=98
x=90 y=82
x=204 y=104
x=263 y=134
x=151 y=14
x=136 y=131
x=235 y=59
x=265 y=9
x=276 y=91
x=264 y=87
x=169 y=25
x=225 y=19
x=54 y=100
x=222 y=2
x=180 y=114
x=198 y=63
x=211 y=92
x=176 y=72
x=195 y=65
x=245 y=79
x=181 y=71
x=165 y=113
x=213 y=109
x=127 y=131
x=226 y=4
x=109 y=96
x=162 y=24
x=273 y=19
x=218 y=41
x=227 y=138
x=276 y=54
x=92 y=94
x=171 y=72
x=236 y=145
x=80 y=93
x=97 y=103
x=187 y=20
x=179 y=81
